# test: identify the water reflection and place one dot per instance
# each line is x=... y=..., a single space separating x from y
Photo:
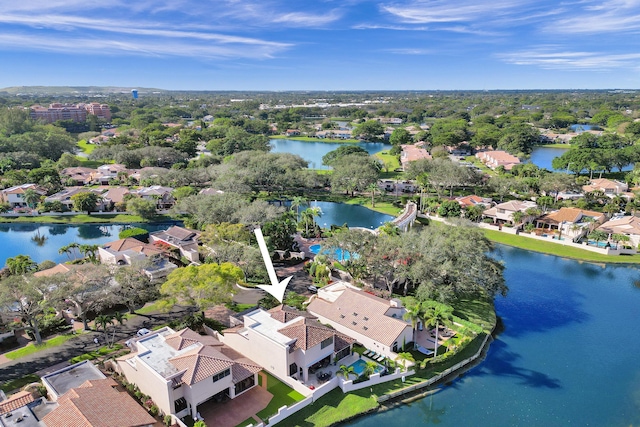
x=89 y=232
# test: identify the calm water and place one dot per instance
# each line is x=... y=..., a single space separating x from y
x=352 y=215
x=313 y=151
x=568 y=354
x=17 y=238
x=543 y=156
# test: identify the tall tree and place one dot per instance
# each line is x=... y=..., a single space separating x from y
x=436 y=314
x=201 y=286
x=21 y=264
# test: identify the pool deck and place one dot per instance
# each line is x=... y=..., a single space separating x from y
x=335 y=369
x=426 y=338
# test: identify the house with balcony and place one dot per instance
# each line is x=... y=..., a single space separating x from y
x=571 y=223
x=496 y=158
x=130 y=251
x=183 y=239
x=182 y=370
x=503 y=212
x=77 y=175
x=105 y=173
x=374 y=322
x=65 y=197
x=288 y=343
x=610 y=188
x=162 y=196
x=15 y=195
x=627 y=225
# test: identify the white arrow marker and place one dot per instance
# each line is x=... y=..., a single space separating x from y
x=276 y=288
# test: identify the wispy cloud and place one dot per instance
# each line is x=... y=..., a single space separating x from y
x=307 y=19
x=410 y=51
x=594 y=17
x=443 y=11
x=554 y=58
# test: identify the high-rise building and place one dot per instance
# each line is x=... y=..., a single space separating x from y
x=134 y=93
x=77 y=113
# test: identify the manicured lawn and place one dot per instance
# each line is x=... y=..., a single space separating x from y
x=333 y=408
x=31 y=348
x=283 y=395
x=153 y=307
x=391 y=162
x=86 y=147
x=381 y=206
x=555 y=145
x=248 y=421
x=9 y=386
x=557 y=249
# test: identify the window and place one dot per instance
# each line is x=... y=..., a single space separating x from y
x=327 y=342
x=293 y=369
x=180 y=404
x=366 y=318
x=221 y=375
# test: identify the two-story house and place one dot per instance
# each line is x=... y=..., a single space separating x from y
x=372 y=321
x=287 y=343
x=183 y=239
x=15 y=195
x=181 y=370
x=503 y=212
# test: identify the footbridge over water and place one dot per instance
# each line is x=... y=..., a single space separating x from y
x=407 y=217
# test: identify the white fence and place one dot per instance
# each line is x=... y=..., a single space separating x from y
x=438 y=377
x=374 y=379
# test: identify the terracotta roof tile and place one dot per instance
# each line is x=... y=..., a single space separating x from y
x=15 y=401
x=187 y=337
x=201 y=363
x=97 y=404
x=362 y=313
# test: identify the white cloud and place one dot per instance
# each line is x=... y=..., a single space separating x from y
x=610 y=16
x=409 y=51
x=147 y=47
x=444 y=11
x=553 y=58
x=307 y=19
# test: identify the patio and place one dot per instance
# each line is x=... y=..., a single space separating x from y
x=332 y=370
x=426 y=337
x=232 y=412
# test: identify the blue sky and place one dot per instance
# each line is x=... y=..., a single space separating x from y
x=321 y=44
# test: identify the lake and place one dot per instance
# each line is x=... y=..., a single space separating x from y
x=542 y=157
x=17 y=239
x=313 y=151
x=568 y=354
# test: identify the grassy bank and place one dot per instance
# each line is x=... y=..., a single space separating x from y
x=86 y=147
x=557 y=249
x=335 y=406
x=555 y=145
x=83 y=219
x=391 y=162
x=32 y=348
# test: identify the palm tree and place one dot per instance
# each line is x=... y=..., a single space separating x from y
x=414 y=314
x=118 y=318
x=617 y=237
x=517 y=217
x=298 y=201
x=31 y=197
x=308 y=216
x=345 y=371
x=405 y=357
x=370 y=369
x=372 y=188
x=436 y=314
x=102 y=321
x=89 y=251
x=68 y=249
x=21 y=264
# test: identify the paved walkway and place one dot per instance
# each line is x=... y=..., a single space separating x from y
x=233 y=412
x=43 y=361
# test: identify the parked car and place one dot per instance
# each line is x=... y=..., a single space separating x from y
x=142 y=332
x=313 y=288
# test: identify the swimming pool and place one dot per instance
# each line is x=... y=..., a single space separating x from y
x=338 y=254
x=360 y=365
x=602 y=244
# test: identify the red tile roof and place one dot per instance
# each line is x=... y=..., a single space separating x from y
x=16 y=401
x=97 y=403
